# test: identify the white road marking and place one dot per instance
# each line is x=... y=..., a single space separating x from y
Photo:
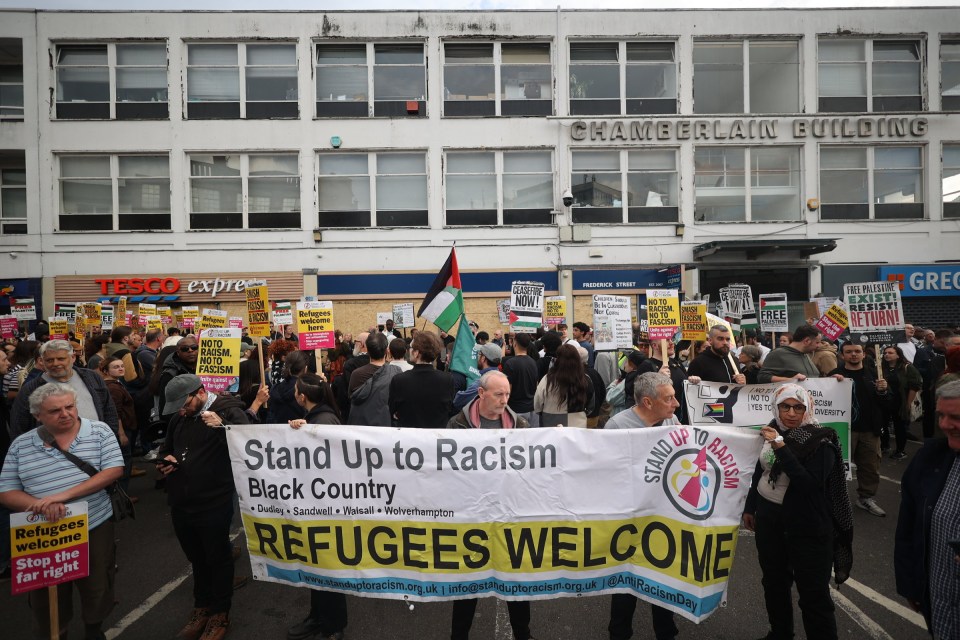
x=889 y=479
x=501 y=621
x=873 y=630
x=153 y=600
x=904 y=612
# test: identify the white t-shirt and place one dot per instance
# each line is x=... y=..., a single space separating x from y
x=909 y=350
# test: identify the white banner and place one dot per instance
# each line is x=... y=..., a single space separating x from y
x=523 y=514
x=612 y=328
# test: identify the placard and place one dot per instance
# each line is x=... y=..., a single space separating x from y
x=258 y=305
x=383 y=316
x=834 y=322
x=503 y=310
x=146 y=309
x=737 y=299
x=107 y=319
x=44 y=554
x=875 y=311
x=66 y=310
x=120 y=319
x=663 y=313
x=9 y=326
x=403 y=315
x=282 y=313
x=91 y=314
x=59 y=328
x=218 y=361
x=526 y=306
x=773 y=312
x=693 y=320
x=212 y=319
x=154 y=323
x=235 y=322
x=612 y=328
x=166 y=315
x=315 y=324
x=23 y=308
x=555 y=310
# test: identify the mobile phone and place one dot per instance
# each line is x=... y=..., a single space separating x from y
x=165 y=462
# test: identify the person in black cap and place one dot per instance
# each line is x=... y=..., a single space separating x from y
x=196 y=463
x=488 y=359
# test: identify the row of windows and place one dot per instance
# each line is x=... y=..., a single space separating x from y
x=486 y=188
x=259 y=80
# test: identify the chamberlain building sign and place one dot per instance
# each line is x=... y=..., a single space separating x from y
x=924 y=280
x=747 y=129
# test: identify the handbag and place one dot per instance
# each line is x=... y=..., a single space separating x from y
x=119 y=500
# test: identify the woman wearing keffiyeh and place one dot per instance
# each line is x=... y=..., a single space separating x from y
x=800 y=510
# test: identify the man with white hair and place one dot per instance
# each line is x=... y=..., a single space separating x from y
x=59 y=365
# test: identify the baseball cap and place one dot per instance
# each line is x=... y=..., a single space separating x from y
x=178 y=390
x=491 y=352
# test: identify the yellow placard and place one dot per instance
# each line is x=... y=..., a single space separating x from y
x=59 y=328
x=555 y=309
x=839 y=315
x=218 y=362
x=693 y=320
x=663 y=313
x=120 y=316
x=258 y=309
x=146 y=309
x=91 y=312
x=212 y=319
x=154 y=323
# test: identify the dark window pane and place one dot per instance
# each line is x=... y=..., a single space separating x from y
x=398 y=108
x=275 y=220
x=83 y=110
x=342 y=110
x=526 y=107
x=14 y=229
x=897 y=103
x=213 y=110
x=142 y=111
x=651 y=105
x=843 y=105
x=142 y=222
x=86 y=223
x=471 y=217
x=844 y=212
x=216 y=221
x=899 y=211
x=951 y=103
x=527 y=216
x=402 y=218
x=594 y=107
x=653 y=214
x=468 y=108
x=951 y=209
x=588 y=215
x=266 y=110
x=344 y=219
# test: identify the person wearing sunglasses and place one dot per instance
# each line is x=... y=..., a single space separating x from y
x=800 y=510
x=182 y=360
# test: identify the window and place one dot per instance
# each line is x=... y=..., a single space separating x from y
x=123 y=81
x=346 y=80
x=759 y=76
x=471 y=86
x=950 y=75
x=870 y=75
x=268 y=88
x=951 y=181
x=488 y=188
x=114 y=193
x=395 y=197
x=650 y=176
x=645 y=83
x=871 y=183
x=747 y=184
x=13 y=194
x=242 y=191
x=11 y=79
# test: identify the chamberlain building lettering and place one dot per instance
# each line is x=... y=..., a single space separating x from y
x=747 y=129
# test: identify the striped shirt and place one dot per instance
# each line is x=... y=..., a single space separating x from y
x=42 y=471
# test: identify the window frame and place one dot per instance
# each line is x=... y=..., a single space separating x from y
x=372 y=107
x=16 y=65
x=374 y=213
x=954 y=207
x=581 y=106
x=206 y=109
x=116 y=109
x=746 y=64
x=869 y=61
x=5 y=221
x=949 y=103
x=871 y=168
x=116 y=216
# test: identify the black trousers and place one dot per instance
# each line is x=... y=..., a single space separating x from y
x=205 y=540
x=785 y=560
x=463 y=611
x=329 y=609
x=622 y=607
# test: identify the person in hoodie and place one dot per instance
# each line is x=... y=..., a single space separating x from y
x=489 y=410
x=283 y=405
x=181 y=361
x=195 y=461
x=370 y=386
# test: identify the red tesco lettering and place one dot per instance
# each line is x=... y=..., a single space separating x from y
x=135 y=286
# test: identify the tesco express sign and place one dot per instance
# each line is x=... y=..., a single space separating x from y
x=166 y=286
x=924 y=281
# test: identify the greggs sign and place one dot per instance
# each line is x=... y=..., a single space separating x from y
x=166 y=286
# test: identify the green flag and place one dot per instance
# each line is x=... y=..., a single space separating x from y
x=464 y=358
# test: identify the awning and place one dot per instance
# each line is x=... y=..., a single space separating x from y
x=753 y=249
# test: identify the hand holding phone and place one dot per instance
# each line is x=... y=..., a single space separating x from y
x=163 y=462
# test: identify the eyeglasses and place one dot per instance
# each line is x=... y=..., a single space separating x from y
x=792 y=408
x=186 y=349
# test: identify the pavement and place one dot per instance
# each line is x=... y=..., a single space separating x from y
x=154 y=592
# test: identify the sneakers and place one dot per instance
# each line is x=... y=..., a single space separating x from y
x=303 y=630
x=870 y=505
x=151 y=455
x=195 y=626
x=898 y=455
x=216 y=627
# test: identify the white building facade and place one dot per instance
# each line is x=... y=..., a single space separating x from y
x=794 y=150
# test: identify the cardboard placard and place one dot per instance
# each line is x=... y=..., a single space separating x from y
x=315 y=324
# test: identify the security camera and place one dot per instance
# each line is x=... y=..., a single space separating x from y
x=567 y=198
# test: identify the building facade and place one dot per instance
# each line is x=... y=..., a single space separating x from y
x=595 y=151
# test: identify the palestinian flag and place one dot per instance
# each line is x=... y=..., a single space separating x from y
x=464 y=358
x=443 y=304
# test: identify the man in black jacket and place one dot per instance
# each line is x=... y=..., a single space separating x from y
x=423 y=397
x=716 y=364
x=196 y=463
x=521 y=371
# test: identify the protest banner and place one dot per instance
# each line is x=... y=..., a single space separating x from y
x=45 y=554
x=834 y=322
x=106 y=317
x=190 y=316
x=875 y=312
x=526 y=306
x=91 y=315
x=503 y=310
x=121 y=312
x=258 y=305
x=693 y=320
x=59 y=328
x=383 y=316
x=773 y=312
x=282 y=313
x=431 y=515
x=612 y=328
x=315 y=324
x=555 y=310
x=737 y=299
x=166 y=316
x=212 y=319
x=153 y=323
x=663 y=313
x=218 y=361
x=146 y=309
x=403 y=315
x=23 y=308
x=66 y=310
x=235 y=322
x=9 y=326
x=732 y=405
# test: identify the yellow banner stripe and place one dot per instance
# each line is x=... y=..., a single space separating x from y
x=27 y=540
